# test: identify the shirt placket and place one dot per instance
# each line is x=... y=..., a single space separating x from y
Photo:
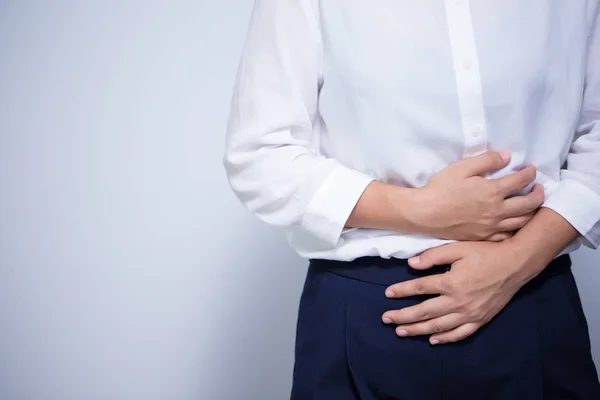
x=468 y=78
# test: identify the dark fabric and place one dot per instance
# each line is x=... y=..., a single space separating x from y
x=537 y=348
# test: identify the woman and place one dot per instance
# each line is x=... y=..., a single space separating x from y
x=436 y=161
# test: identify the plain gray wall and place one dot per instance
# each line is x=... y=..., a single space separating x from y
x=128 y=270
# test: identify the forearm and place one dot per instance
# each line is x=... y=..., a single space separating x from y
x=455 y=204
x=540 y=241
x=385 y=206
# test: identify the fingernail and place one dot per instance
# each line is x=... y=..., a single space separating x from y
x=387 y=321
x=435 y=341
x=389 y=293
x=505 y=154
x=414 y=260
x=402 y=333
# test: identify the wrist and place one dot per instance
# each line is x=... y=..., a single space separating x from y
x=407 y=205
x=525 y=261
x=543 y=238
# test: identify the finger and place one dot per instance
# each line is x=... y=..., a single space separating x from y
x=522 y=205
x=455 y=335
x=514 y=223
x=442 y=255
x=500 y=237
x=415 y=287
x=481 y=164
x=517 y=181
x=437 y=325
x=424 y=311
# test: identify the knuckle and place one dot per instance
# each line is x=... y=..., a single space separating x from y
x=489 y=214
x=492 y=158
x=419 y=288
x=495 y=214
x=462 y=307
x=524 y=179
x=522 y=176
x=423 y=315
x=531 y=174
x=478 y=236
x=448 y=283
x=437 y=328
x=489 y=233
x=475 y=314
x=492 y=189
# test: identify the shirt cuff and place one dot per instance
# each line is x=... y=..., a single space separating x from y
x=580 y=206
x=331 y=206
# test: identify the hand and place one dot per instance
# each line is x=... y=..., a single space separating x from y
x=462 y=205
x=476 y=289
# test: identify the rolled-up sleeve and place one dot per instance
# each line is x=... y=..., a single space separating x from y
x=577 y=198
x=272 y=160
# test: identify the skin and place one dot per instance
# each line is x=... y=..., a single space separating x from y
x=457 y=203
x=480 y=282
x=490 y=226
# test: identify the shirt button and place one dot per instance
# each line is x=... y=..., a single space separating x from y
x=475 y=132
x=466 y=63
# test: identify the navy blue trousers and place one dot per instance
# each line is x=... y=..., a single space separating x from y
x=537 y=347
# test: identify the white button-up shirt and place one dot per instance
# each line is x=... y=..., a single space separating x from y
x=332 y=94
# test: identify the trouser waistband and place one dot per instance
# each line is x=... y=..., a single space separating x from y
x=384 y=271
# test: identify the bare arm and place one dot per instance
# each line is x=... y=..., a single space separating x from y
x=456 y=204
x=542 y=239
